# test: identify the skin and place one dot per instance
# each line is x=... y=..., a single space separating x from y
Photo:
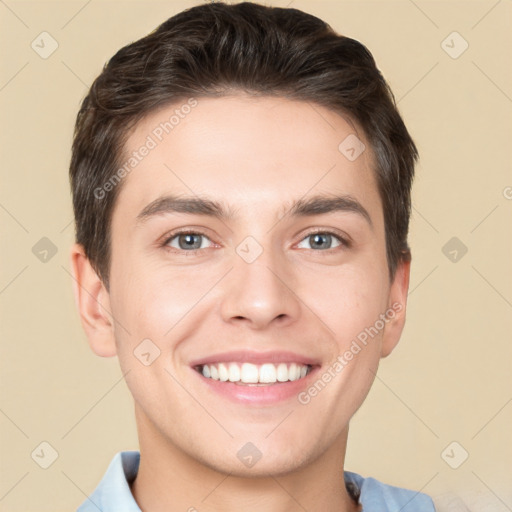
x=257 y=156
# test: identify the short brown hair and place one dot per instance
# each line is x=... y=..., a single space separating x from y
x=211 y=50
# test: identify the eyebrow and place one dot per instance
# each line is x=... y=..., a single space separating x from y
x=197 y=205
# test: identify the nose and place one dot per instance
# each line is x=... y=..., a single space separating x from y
x=261 y=292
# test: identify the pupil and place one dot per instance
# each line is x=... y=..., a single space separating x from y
x=318 y=238
x=189 y=241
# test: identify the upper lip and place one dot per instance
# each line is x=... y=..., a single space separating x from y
x=246 y=356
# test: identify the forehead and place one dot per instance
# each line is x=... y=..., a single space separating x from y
x=252 y=153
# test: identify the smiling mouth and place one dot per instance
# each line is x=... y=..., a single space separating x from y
x=248 y=374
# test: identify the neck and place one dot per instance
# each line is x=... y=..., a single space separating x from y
x=170 y=480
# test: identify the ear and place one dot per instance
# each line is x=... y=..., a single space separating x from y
x=395 y=315
x=93 y=303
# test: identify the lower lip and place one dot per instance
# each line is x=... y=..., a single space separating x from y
x=259 y=395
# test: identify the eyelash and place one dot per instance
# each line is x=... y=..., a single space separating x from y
x=344 y=242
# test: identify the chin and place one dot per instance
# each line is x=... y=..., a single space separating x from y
x=256 y=460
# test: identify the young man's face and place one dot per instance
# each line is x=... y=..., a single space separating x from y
x=256 y=286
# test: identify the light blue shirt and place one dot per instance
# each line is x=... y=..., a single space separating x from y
x=113 y=492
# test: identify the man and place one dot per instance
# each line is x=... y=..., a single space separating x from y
x=241 y=186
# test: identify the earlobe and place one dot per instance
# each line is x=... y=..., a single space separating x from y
x=395 y=314
x=93 y=303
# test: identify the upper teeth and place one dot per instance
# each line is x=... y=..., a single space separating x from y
x=248 y=373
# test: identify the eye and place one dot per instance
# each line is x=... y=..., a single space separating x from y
x=192 y=241
x=323 y=240
x=187 y=241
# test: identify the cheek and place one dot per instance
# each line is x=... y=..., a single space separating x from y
x=346 y=299
x=156 y=302
x=350 y=303
x=152 y=308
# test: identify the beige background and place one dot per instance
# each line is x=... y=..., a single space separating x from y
x=450 y=377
